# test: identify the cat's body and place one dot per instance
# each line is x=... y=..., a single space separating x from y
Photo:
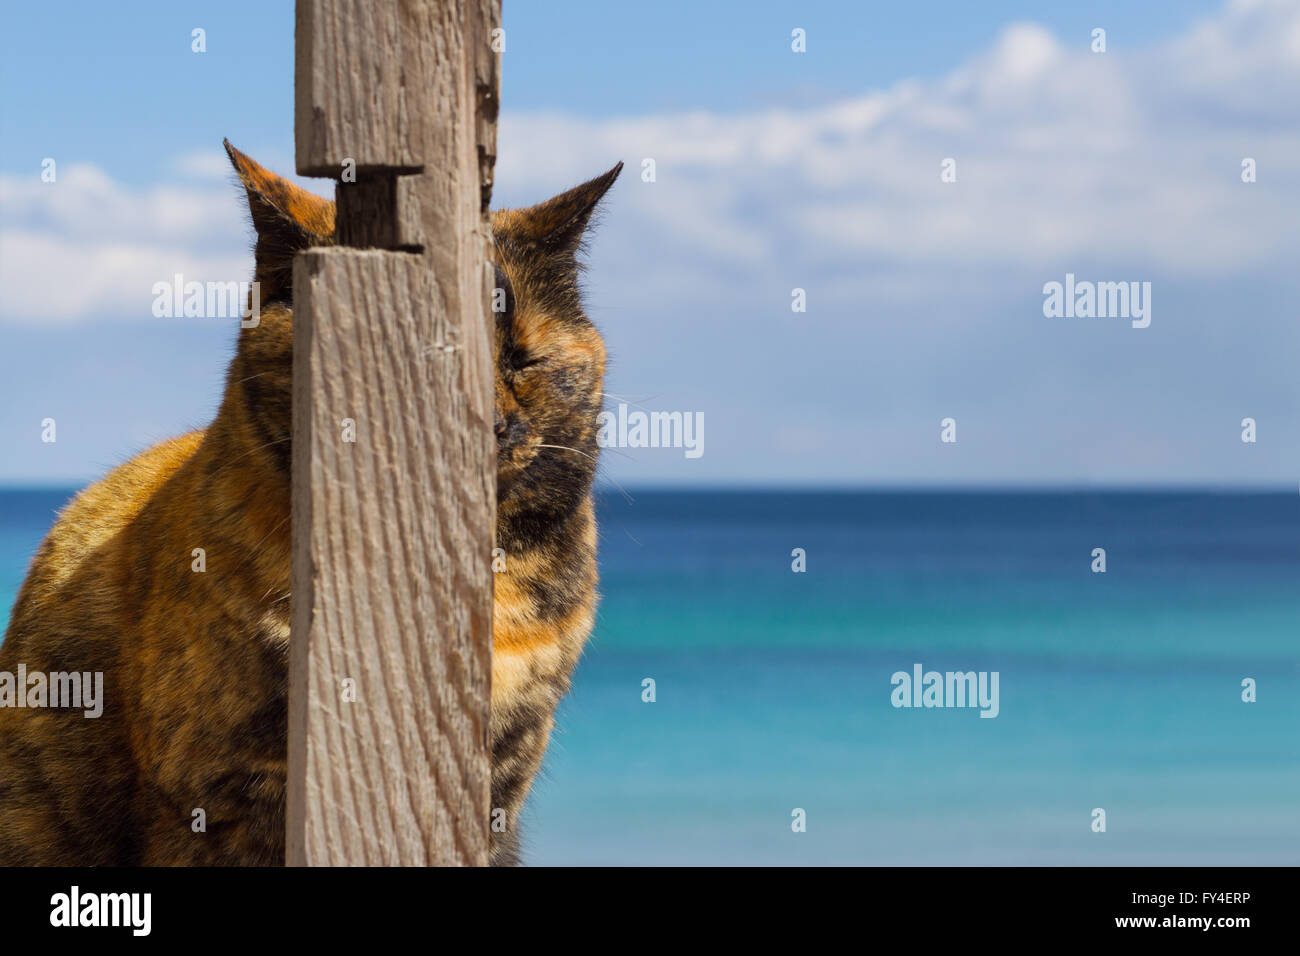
x=195 y=663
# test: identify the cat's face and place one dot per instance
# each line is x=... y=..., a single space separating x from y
x=550 y=360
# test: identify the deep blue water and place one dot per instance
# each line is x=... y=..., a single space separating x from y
x=1119 y=691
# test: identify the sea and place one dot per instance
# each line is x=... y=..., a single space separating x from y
x=738 y=701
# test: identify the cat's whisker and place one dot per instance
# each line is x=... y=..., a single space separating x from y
x=282 y=597
x=619 y=452
x=604 y=476
x=621 y=490
x=585 y=455
x=249 y=378
x=593 y=458
x=258 y=547
x=625 y=400
x=255 y=448
x=618 y=396
x=567 y=448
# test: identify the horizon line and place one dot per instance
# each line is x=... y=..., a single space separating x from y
x=890 y=487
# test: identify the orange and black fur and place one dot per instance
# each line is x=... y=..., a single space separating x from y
x=195 y=664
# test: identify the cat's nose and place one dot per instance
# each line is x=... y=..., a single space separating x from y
x=510 y=431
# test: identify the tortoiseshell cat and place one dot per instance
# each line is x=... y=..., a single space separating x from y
x=195 y=665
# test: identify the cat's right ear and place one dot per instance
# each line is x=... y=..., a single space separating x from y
x=557 y=225
x=286 y=218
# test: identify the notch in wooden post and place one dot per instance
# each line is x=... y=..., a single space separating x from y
x=380 y=210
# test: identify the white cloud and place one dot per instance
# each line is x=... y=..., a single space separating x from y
x=51 y=279
x=87 y=204
x=1130 y=156
x=1126 y=156
x=85 y=246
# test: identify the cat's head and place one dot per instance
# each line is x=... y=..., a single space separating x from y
x=550 y=360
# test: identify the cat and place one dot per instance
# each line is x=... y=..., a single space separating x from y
x=195 y=664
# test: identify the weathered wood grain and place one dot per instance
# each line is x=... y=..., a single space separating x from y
x=392 y=585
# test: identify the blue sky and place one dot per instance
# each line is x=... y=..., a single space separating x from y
x=118 y=85
x=774 y=171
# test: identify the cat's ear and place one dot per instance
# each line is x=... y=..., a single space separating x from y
x=557 y=225
x=286 y=217
x=277 y=203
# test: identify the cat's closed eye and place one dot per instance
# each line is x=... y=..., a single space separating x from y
x=518 y=360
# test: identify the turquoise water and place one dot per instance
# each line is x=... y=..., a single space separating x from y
x=1119 y=690
x=25 y=516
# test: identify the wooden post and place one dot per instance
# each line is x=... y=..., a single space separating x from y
x=392 y=532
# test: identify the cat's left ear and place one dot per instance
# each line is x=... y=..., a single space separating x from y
x=558 y=224
x=277 y=205
x=286 y=219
